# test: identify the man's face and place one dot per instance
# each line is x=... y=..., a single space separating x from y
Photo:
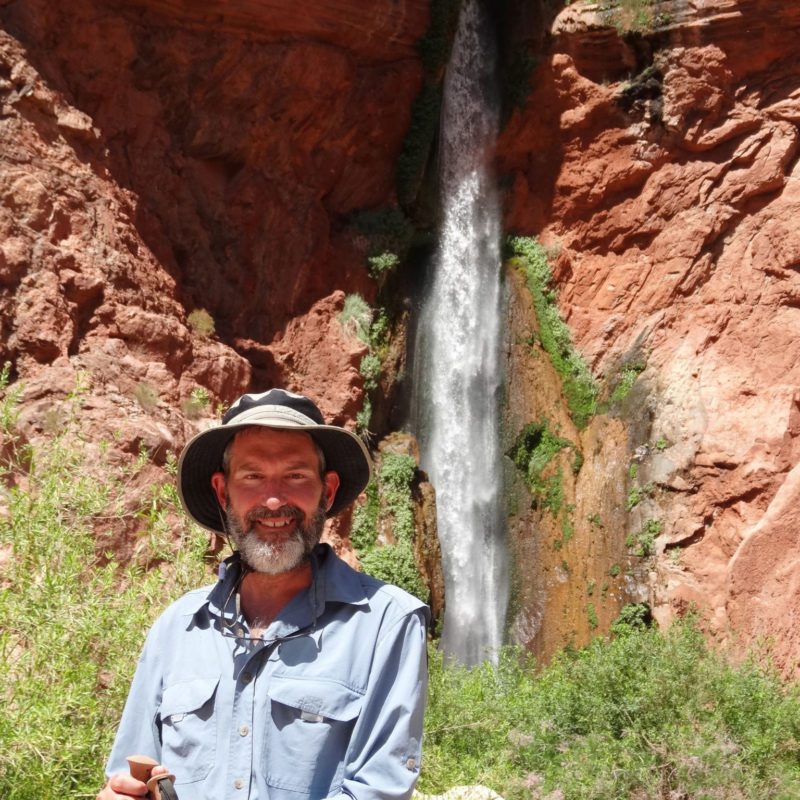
x=274 y=497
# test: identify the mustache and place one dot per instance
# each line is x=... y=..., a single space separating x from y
x=284 y=511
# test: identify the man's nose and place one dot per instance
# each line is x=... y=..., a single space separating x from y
x=272 y=496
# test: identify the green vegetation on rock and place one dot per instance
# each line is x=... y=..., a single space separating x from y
x=372 y=327
x=389 y=498
x=528 y=255
x=534 y=448
x=627 y=377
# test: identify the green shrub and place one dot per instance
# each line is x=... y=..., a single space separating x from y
x=534 y=448
x=73 y=619
x=194 y=405
x=394 y=563
x=644 y=541
x=382 y=264
x=201 y=322
x=390 y=495
x=637 y=493
x=579 y=386
x=645 y=716
x=628 y=375
x=370 y=369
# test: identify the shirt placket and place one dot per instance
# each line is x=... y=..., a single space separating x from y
x=242 y=758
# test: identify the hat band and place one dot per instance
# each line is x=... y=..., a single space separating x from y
x=279 y=414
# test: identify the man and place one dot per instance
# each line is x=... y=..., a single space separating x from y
x=294 y=676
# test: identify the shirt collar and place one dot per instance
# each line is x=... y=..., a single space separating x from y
x=333 y=581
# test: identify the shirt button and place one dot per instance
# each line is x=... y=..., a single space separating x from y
x=238 y=783
x=411 y=763
x=244 y=730
x=247 y=677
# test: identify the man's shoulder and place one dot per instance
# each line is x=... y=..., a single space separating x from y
x=351 y=585
x=189 y=603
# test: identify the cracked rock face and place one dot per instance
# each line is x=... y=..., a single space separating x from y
x=163 y=159
x=673 y=196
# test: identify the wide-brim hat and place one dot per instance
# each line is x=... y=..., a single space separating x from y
x=344 y=452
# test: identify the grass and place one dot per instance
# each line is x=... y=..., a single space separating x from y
x=634 y=16
x=644 y=716
x=73 y=618
x=371 y=326
x=579 y=386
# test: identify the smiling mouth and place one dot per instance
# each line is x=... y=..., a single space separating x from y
x=274 y=523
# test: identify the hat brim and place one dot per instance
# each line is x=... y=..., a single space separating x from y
x=345 y=454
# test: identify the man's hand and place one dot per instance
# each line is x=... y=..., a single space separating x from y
x=122 y=785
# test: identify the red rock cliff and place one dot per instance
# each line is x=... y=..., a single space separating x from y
x=663 y=168
x=159 y=159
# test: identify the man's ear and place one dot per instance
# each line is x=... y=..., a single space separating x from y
x=331 y=486
x=220 y=487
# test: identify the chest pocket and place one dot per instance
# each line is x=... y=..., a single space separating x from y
x=312 y=722
x=189 y=728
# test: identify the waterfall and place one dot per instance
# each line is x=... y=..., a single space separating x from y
x=457 y=357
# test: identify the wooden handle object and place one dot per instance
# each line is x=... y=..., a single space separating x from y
x=141 y=768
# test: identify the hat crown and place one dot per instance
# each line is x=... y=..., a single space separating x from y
x=275 y=397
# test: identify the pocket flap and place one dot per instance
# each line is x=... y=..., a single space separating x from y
x=316 y=697
x=187 y=696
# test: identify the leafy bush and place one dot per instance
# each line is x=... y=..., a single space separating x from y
x=532 y=451
x=579 y=385
x=637 y=493
x=73 y=619
x=382 y=264
x=645 y=716
x=201 y=322
x=644 y=541
x=194 y=405
x=389 y=495
x=627 y=377
x=370 y=368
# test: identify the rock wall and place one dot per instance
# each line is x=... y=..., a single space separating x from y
x=158 y=159
x=177 y=181
x=662 y=167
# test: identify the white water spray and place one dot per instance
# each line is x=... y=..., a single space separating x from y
x=457 y=357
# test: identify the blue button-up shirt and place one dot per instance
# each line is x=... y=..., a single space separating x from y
x=328 y=702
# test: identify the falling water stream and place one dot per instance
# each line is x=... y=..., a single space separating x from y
x=457 y=359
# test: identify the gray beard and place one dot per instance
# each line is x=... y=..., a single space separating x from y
x=273 y=558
